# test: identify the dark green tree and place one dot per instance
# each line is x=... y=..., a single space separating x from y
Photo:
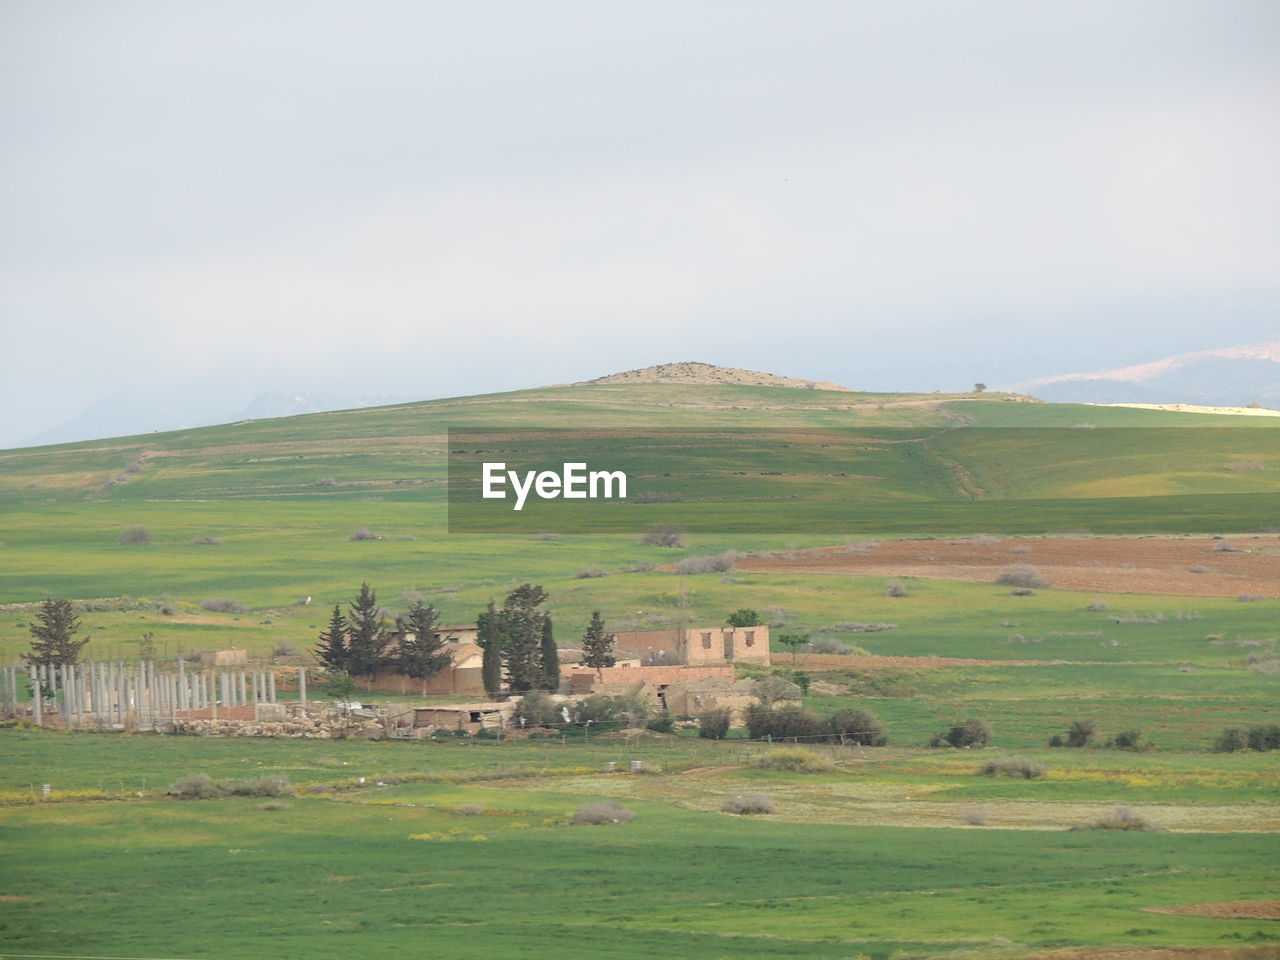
x=743 y=617
x=331 y=650
x=597 y=646
x=793 y=642
x=422 y=652
x=491 y=643
x=53 y=638
x=367 y=637
x=520 y=626
x=550 y=658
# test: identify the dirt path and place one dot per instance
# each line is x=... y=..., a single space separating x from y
x=1248 y=564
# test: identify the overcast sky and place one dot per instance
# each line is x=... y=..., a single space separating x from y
x=433 y=198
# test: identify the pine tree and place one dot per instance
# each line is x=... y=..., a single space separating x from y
x=520 y=626
x=491 y=643
x=53 y=639
x=367 y=638
x=550 y=658
x=331 y=650
x=597 y=646
x=422 y=653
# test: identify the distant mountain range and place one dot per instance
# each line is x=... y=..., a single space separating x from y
x=126 y=414
x=1229 y=376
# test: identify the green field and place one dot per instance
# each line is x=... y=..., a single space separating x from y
x=875 y=858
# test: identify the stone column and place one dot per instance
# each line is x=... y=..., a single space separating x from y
x=271 y=686
x=302 y=686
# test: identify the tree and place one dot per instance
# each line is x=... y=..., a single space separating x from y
x=979 y=388
x=491 y=644
x=53 y=641
x=331 y=650
x=550 y=658
x=744 y=617
x=775 y=687
x=422 y=652
x=1081 y=732
x=520 y=627
x=597 y=646
x=858 y=726
x=367 y=638
x=793 y=642
x=341 y=686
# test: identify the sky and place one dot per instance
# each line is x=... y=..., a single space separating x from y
x=203 y=201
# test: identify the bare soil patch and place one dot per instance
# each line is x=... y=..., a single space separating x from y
x=1145 y=565
x=1230 y=909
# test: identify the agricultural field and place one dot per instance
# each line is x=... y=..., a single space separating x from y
x=887 y=559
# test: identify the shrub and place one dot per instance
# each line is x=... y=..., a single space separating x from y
x=1241 y=466
x=1057 y=741
x=664 y=722
x=1121 y=818
x=1081 y=732
x=858 y=726
x=975 y=818
x=194 y=786
x=1022 y=575
x=1222 y=546
x=1199 y=569
x=222 y=605
x=272 y=786
x=1264 y=738
x=605 y=811
x=744 y=617
x=1096 y=607
x=1023 y=592
x=1017 y=767
x=207 y=541
x=1231 y=740
x=589 y=573
x=1249 y=597
x=972 y=733
x=747 y=804
x=326 y=482
x=831 y=645
x=722 y=563
x=895 y=589
x=135 y=534
x=275 y=805
x=795 y=760
x=791 y=721
x=773 y=688
x=537 y=709
x=713 y=724
x=471 y=810
x=664 y=535
x=364 y=533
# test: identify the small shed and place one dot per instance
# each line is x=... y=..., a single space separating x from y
x=466 y=717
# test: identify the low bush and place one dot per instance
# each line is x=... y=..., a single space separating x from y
x=207 y=541
x=1231 y=740
x=275 y=805
x=975 y=818
x=1017 y=767
x=721 y=563
x=664 y=722
x=795 y=760
x=1022 y=575
x=858 y=726
x=895 y=589
x=606 y=811
x=589 y=573
x=272 y=786
x=747 y=804
x=971 y=733
x=537 y=709
x=222 y=605
x=135 y=534
x=364 y=533
x=1081 y=732
x=663 y=535
x=714 y=724
x=1261 y=737
x=1121 y=818
x=194 y=786
x=1129 y=740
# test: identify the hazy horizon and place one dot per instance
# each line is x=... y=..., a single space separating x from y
x=405 y=200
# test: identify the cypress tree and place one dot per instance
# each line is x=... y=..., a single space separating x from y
x=491 y=643
x=597 y=646
x=367 y=638
x=422 y=653
x=331 y=650
x=550 y=658
x=520 y=625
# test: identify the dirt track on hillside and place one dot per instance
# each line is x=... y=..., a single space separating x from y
x=1147 y=565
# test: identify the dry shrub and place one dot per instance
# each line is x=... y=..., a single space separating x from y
x=709 y=564
x=795 y=760
x=975 y=818
x=364 y=533
x=664 y=535
x=270 y=786
x=1222 y=546
x=222 y=605
x=1017 y=767
x=194 y=786
x=1199 y=569
x=747 y=804
x=589 y=573
x=604 y=811
x=471 y=810
x=1249 y=597
x=895 y=589
x=1022 y=575
x=275 y=805
x=1096 y=607
x=1121 y=818
x=135 y=534
x=207 y=541
x=1244 y=466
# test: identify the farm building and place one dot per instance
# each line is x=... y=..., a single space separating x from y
x=695 y=645
x=464 y=717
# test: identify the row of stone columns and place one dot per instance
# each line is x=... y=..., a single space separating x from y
x=115 y=691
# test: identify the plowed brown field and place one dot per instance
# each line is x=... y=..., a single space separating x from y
x=1180 y=566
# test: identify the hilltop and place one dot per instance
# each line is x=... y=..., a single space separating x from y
x=691 y=371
